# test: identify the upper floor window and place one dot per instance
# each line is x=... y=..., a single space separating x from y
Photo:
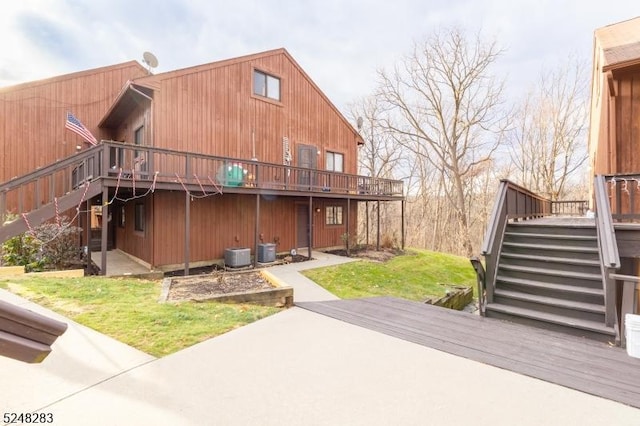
x=138 y=136
x=266 y=85
x=335 y=162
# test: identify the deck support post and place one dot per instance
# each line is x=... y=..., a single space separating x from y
x=348 y=227
x=402 y=208
x=257 y=232
x=87 y=230
x=310 y=232
x=378 y=232
x=104 y=236
x=187 y=231
x=3 y=207
x=366 y=209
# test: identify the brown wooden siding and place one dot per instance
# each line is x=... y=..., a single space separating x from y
x=136 y=243
x=218 y=222
x=628 y=123
x=32 y=129
x=324 y=235
x=213 y=110
x=33 y=115
x=210 y=109
x=223 y=221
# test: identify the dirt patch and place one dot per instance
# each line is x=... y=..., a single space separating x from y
x=219 y=282
x=381 y=255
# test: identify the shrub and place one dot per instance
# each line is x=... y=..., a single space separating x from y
x=389 y=241
x=23 y=250
x=49 y=246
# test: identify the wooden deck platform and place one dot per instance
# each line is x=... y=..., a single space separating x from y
x=577 y=363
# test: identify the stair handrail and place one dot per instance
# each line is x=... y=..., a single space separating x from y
x=495 y=230
x=51 y=168
x=512 y=202
x=608 y=247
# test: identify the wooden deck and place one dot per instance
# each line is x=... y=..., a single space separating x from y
x=577 y=363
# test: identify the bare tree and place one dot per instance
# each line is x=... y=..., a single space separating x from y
x=547 y=142
x=445 y=106
x=378 y=157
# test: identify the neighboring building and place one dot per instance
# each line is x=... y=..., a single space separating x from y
x=614 y=142
x=235 y=153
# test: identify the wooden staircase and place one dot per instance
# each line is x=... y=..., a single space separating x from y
x=549 y=275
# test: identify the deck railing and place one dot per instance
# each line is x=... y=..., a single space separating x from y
x=43 y=186
x=165 y=165
x=623 y=191
x=569 y=207
x=142 y=164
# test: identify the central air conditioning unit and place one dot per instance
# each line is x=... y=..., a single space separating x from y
x=266 y=253
x=237 y=257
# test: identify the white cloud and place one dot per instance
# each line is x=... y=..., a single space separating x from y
x=339 y=43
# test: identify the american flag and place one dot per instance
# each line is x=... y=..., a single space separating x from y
x=76 y=126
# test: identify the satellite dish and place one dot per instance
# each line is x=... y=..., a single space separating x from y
x=150 y=59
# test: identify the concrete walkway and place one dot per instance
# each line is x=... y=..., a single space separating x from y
x=120 y=264
x=81 y=358
x=293 y=368
x=305 y=290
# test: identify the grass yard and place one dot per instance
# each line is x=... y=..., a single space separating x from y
x=128 y=310
x=415 y=275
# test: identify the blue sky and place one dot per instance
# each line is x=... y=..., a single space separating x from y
x=340 y=44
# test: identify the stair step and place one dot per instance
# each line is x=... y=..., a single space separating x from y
x=551 y=247
x=569 y=223
x=561 y=260
x=533 y=284
x=552 y=236
x=551 y=301
x=575 y=323
x=553 y=272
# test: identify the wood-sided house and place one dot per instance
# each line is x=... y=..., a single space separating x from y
x=240 y=153
x=614 y=142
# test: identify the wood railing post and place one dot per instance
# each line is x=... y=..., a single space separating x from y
x=3 y=207
x=37 y=194
x=630 y=287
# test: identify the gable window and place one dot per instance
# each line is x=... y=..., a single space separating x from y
x=139 y=217
x=266 y=85
x=335 y=162
x=333 y=215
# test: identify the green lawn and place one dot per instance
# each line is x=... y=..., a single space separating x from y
x=128 y=310
x=415 y=276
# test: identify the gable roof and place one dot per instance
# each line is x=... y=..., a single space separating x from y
x=127 y=100
x=153 y=81
x=70 y=76
x=619 y=43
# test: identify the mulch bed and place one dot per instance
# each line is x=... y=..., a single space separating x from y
x=219 y=282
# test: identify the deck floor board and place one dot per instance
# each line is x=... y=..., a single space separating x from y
x=578 y=363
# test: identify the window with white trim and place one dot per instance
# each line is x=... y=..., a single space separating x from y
x=335 y=162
